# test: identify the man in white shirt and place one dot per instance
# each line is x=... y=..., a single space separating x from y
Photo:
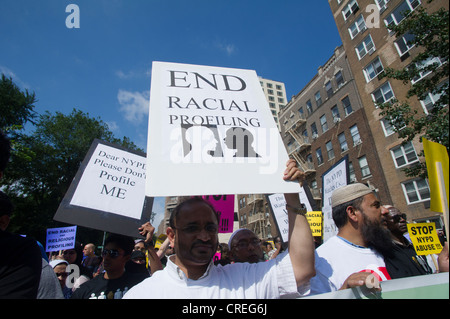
x=190 y=273
x=352 y=258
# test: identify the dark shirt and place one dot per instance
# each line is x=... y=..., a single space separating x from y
x=404 y=262
x=20 y=266
x=109 y=287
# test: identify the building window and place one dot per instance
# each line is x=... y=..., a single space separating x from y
x=309 y=158
x=314 y=132
x=381 y=4
x=355 y=135
x=366 y=46
x=330 y=151
x=404 y=155
x=401 y=11
x=351 y=172
x=431 y=99
x=350 y=8
x=347 y=106
x=373 y=69
x=279 y=93
x=383 y=94
x=365 y=171
x=318 y=99
x=309 y=107
x=358 y=26
x=329 y=89
x=269 y=85
x=404 y=43
x=335 y=113
x=269 y=91
x=343 y=142
x=387 y=127
x=323 y=123
x=319 y=156
x=424 y=68
x=416 y=191
x=339 y=79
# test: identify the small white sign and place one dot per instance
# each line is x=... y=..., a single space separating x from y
x=211 y=132
x=334 y=178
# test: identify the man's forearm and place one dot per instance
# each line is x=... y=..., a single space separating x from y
x=301 y=243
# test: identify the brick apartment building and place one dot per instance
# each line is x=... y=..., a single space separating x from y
x=370 y=49
x=326 y=121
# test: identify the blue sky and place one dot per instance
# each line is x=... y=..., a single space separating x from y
x=103 y=68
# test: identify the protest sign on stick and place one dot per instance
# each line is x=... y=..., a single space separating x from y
x=211 y=132
x=108 y=191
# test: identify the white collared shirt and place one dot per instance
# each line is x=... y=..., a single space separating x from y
x=264 y=280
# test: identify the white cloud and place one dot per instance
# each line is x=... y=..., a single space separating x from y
x=134 y=105
x=228 y=48
x=113 y=127
x=10 y=74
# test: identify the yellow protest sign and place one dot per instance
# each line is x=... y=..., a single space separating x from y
x=424 y=238
x=315 y=222
x=435 y=152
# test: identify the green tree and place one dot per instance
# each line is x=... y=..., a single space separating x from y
x=16 y=106
x=54 y=151
x=429 y=33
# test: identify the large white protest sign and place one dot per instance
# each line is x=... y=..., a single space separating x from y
x=60 y=238
x=335 y=177
x=108 y=192
x=211 y=132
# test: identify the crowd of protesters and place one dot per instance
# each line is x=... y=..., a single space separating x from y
x=370 y=241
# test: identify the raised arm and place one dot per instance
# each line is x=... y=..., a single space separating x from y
x=301 y=243
x=147 y=230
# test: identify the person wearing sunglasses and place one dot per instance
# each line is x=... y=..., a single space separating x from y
x=115 y=280
x=404 y=261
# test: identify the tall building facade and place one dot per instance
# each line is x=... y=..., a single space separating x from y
x=370 y=49
x=275 y=93
x=325 y=122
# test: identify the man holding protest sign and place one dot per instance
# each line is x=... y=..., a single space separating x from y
x=191 y=274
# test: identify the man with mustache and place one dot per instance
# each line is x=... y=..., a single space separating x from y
x=356 y=252
x=190 y=273
x=403 y=260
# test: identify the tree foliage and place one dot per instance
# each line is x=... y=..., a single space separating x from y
x=44 y=162
x=431 y=40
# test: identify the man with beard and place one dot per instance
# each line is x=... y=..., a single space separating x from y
x=349 y=258
x=191 y=273
x=402 y=260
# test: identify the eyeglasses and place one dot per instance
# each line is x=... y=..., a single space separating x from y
x=196 y=229
x=397 y=218
x=243 y=244
x=113 y=253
